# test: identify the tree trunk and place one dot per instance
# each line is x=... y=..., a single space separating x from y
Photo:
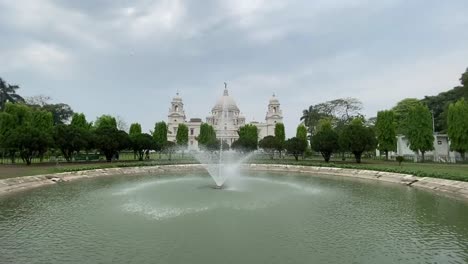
x=386 y=155
x=422 y=155
x=462 y=154
x=296 y=156
x=358 y=156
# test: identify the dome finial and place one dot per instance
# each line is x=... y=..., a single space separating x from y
x=226 y=93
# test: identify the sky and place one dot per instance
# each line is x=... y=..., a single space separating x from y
x=129 y=58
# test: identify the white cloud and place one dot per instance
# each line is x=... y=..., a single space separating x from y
x=145 y=21
x=52 y=21
x=45 y=58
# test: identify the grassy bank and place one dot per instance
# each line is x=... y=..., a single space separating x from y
x=435 y=170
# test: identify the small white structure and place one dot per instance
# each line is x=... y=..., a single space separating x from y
x=226 y=126
x=441 y=152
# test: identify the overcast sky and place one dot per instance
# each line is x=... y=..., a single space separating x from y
x=129 y=58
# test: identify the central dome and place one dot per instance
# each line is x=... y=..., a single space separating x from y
x=227 y=102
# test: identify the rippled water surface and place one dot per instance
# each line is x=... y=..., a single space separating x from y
x=260 y=218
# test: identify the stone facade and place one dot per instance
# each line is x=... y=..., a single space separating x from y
x=225 y=117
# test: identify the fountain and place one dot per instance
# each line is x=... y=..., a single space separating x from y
x=223 y=165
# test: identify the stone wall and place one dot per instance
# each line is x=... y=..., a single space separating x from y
x=454 y=188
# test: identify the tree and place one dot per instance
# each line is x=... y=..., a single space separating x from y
x=70 y=139
x=419 y=129
x=8 y=94
x=109 y=140
x=61 y=113
x=43 y=121
x=464 y=80
x=280 y=137
x=401 y=111
x=106 y=121
x=325 y=140
x=135 y=129
x=142 y=143
x=301 y=132
x=182 y=137
x=458 y=126
x=248 y=139
x=312 y=116
x=207 y=137
x=160 y=136
x=357 y=138
x=13 y=117
x=79 y=120
x=29 y=132
x=121 y=124
x=268 y=144
x=295 y=147
x=385 y=129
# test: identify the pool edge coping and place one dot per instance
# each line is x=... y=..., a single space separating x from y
x=451 y=187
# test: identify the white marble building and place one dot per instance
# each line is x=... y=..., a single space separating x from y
x=226 y=126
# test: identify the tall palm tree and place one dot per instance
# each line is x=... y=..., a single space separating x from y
x=8 y=94
x=306 y=113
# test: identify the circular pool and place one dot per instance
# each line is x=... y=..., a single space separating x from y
x=259 y=218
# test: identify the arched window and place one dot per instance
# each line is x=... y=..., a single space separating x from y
x=274 y=109
x=176 y=108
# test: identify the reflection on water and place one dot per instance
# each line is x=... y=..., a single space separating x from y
x=261 y=218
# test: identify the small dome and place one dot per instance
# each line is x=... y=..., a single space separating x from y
x=226 y=102
x=274 y=100
x=177 y=98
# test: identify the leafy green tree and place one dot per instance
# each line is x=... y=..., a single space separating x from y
x=207 y=138
x=419 y=129
x=268 y=144
x=295 y=147
x=458 y=127
x=357 y=138
x=61 y=113
x=106 y=121
x=160 y=136
x=135 y=129
x=280 y=136
x=8 y=94
x=325 y=140
x=70 y=139
x=248 y=139
x=301 y=132
x=385 y=128
x=43 y=121
x=464 y=80
x=79 y=120
x=30 y=132
x=401 y=111
x=13 y=117
x=182 y=137
x=109 y=140
x=142 y=143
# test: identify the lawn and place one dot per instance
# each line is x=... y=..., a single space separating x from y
x=428 y=169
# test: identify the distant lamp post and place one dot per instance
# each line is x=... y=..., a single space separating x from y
x=433 y=122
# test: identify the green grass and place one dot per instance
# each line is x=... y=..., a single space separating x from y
x=435 y=170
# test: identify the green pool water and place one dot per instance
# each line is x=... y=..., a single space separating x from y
x=257 y=218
